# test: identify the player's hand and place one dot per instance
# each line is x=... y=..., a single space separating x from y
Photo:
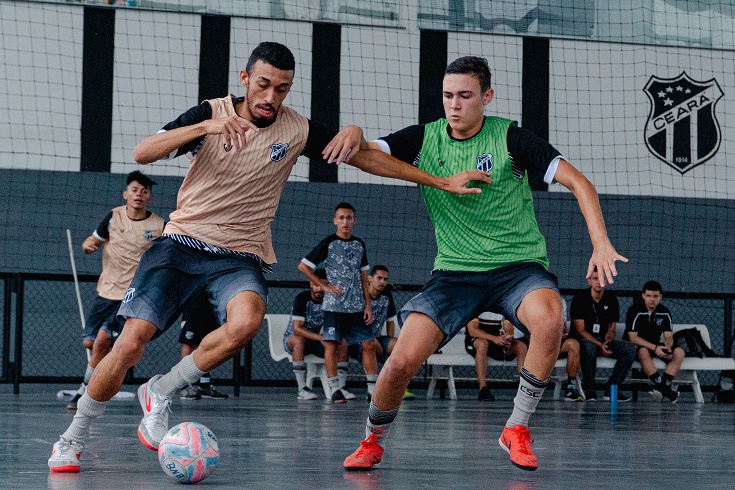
x=368 y=315
x=604 y=257
x=500 y=341
x=457 y=183
x=344 y=145
x=606 y=350
x=233 y=128
x=90 y=245
x=333 y=289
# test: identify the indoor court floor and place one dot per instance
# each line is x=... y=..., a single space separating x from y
x=270 y=440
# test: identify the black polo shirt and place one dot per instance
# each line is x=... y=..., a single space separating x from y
x=597 y=316
x=648 y=325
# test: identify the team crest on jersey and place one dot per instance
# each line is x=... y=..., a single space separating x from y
x=148 y=235
x=485 y=162
x=278 y=151
x=129 y=295
x=682 y=128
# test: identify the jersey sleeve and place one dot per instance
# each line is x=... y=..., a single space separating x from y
x=532 y=154
x=195 y=115
x=318 y=253
x=364 y=264
x=391 y=307
x=667 y=327
x=405 y=145
x=102 y=232
x=633 y=320
x=298 y=312
x=319 y=137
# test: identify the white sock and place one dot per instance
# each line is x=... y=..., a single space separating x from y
x=182 y=374
x=87 y=410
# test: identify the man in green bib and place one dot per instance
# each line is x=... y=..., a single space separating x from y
x=491 y=254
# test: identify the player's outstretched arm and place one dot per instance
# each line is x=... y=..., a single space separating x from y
x=345 y=144
x=378 y=163
x=604 y=254
x=157 y=146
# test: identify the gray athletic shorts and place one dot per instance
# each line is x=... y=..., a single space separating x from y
x=170 y=273
x=452 y=298
x=101 y=315
x=348 y=326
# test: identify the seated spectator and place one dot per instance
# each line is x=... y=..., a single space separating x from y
x=490 y=335
x=570 y=350
x=376 y=350
x=594 y=316
x=198 y=319
x=303 y=334
x=646 y=322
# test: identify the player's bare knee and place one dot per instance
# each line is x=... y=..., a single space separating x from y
x=369 y=346
x=402 y=367
x=128 y=351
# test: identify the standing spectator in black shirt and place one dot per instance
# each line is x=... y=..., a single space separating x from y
x=594 y=315
x=645 y=323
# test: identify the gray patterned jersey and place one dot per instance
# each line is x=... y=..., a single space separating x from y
x=383 y=309
x=305 y=310
x=344 y=261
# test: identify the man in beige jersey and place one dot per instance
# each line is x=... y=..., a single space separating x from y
x=218 y=240
x=126 y=232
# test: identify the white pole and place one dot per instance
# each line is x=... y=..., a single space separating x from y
x=76 y=285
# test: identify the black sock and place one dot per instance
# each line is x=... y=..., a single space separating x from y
x=655 y=378
x=666 y=378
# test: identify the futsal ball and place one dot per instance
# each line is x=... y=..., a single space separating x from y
x=188 y=452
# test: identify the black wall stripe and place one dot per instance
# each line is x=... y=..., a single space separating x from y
x=326 y=49
x=432 y=63
x=97 y=76
x=535 y=102
x=214 y=57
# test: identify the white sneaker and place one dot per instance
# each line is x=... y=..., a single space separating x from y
x=156 y=409
x=65 y=456
x=347 y=394
x=306 y=394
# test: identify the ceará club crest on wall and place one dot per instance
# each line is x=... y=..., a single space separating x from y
x=682 y=128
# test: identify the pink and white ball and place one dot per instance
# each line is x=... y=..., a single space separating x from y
x=189 y=452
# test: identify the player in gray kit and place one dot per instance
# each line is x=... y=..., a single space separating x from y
x=347 y=311
x=304 y=332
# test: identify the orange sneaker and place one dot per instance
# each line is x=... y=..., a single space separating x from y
x=517 y=442
x=368 y=455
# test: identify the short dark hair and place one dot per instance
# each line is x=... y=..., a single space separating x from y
x=344 y=205
x=377 y=268
x=274 y=54
x=321 y=273
x=137 y=176
x=652 y=286
x=471 y=65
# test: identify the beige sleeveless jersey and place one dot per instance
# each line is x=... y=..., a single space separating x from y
x=230 y=197
x=128 y=240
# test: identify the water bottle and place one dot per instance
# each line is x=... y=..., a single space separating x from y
x=613 y=394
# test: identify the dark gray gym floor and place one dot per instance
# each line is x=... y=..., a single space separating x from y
x=269 y=440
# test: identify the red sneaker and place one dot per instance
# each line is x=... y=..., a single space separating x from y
x=368 y=455
x=517 y=442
